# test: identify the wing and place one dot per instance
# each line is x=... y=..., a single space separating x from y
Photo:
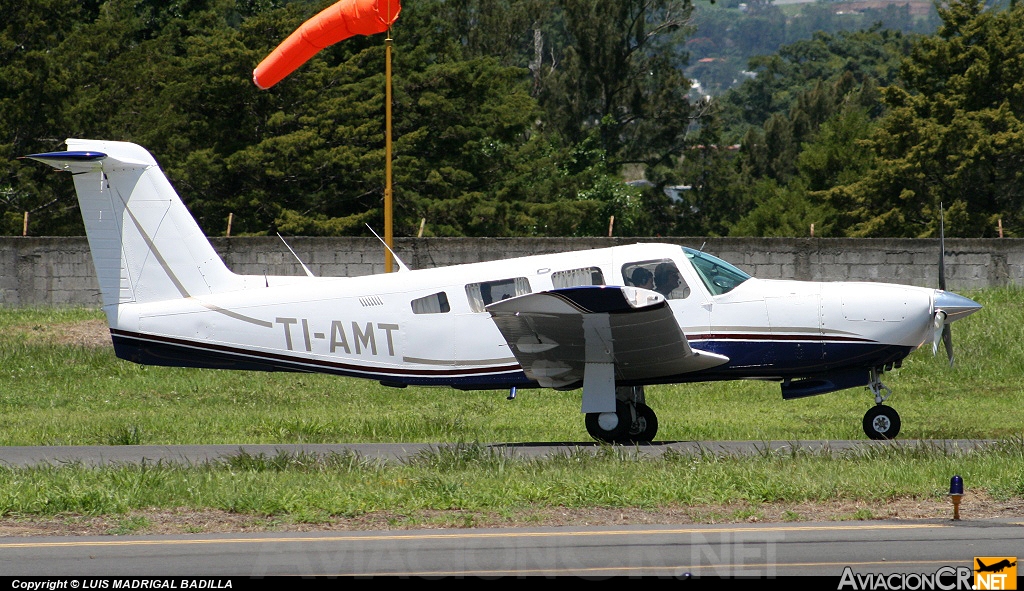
x=555 y=335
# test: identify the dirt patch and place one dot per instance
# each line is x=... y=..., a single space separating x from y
x=84 y=333
x=974 y=507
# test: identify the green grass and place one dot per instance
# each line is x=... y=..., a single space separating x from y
x=473 y=478
x=68 y=394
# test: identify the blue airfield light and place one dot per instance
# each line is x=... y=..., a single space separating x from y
x=956 y=486
x=956 y=490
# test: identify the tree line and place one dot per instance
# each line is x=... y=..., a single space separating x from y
x=522 y=118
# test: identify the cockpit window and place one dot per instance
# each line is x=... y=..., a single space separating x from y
x=660 y=275
x=718 y=276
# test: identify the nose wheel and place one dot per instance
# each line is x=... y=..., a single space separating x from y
x=882 y=422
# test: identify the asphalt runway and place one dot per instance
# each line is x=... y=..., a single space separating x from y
x=903 y=553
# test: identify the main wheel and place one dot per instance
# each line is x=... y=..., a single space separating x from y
x=645 y=427
x=882 y=422
x=610 y=427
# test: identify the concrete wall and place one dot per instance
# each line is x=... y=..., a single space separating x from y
x=59 y=271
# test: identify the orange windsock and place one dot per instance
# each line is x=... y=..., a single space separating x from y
x=339 y=21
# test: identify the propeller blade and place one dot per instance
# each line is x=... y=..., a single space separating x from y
x=939 y=329
x=942 y=250
x=942 y=330
x=947 y=339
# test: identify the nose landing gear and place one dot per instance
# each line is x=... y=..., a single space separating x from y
x=881 y=421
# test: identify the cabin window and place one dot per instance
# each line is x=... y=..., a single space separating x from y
x=488 y=292
x=436 y=303
x=660 y=275
x=574 y=277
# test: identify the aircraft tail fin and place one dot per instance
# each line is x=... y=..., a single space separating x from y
x=145 y=244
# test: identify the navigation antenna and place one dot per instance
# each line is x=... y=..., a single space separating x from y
x=401 y=265
x=304 y=267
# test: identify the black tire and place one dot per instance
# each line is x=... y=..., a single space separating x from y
x=645 y=427
x=613 y=434
x=882 y=422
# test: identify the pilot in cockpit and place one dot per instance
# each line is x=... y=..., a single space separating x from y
x=666 y=278
x=642 y=278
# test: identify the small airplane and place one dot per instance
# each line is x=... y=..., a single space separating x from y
x=610 y=320
x=995 y=567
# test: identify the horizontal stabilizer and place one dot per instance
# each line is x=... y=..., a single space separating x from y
x=554 y=334
x=75 y=161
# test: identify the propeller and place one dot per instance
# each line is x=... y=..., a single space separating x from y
x=942 y=330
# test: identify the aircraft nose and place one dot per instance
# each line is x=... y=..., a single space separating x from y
x=954 y=305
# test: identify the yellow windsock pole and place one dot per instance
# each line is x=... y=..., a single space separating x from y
x=388 y=226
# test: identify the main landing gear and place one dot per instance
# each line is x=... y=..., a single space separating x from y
x=881 y=421
x=632 y=422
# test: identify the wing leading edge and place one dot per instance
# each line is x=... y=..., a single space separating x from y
x=555 y=335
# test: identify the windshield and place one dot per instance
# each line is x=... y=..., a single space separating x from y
x=719 y=276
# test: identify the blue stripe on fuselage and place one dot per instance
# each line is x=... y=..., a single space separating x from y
x=794 y=358
x=151 y=350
